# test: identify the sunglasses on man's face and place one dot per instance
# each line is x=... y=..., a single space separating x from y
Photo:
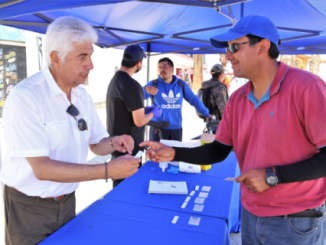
x=74 y=112
x=234 y=47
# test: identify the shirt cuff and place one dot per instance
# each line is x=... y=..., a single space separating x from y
x=224 y=142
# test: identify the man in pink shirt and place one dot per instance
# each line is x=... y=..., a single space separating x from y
x=276 y=123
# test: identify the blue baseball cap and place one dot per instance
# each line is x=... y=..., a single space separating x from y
x=253 y=24
x=134 y=53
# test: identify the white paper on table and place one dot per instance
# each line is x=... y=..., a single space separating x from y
x=175 y=143
x=189 y=168
x=165 y=187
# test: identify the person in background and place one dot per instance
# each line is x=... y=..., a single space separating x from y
x=125 y=102
x=227 y=79
x=218 y=94
x=168 y=92
x=50 y=121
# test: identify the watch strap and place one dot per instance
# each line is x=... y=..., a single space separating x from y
x=269 y=170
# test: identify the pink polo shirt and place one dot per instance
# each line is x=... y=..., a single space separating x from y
x=288 y=127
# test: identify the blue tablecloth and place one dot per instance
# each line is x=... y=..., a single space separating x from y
x=113 y=222
x=223 y=201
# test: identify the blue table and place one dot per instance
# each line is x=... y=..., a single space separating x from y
x=223 y=201
x=113 y=222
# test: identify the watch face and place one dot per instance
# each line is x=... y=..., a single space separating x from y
x=271 y=180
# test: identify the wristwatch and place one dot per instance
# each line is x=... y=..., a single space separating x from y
x=271 y=178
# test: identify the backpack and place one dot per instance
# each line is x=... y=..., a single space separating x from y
x=204 y=95
x=155 y=83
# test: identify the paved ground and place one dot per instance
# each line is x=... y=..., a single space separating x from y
x=88 y=192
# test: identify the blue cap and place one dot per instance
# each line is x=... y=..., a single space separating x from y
x=135 y=52
x=253 y=24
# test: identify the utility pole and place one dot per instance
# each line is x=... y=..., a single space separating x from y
x=197 y=72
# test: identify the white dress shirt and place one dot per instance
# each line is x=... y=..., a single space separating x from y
x=37 y=124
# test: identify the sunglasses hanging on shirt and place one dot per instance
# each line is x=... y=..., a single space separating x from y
x=74 y=112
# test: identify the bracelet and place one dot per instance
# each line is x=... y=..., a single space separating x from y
x=111 y=143
x=106 y=171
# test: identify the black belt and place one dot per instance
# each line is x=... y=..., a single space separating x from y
x=307 y=213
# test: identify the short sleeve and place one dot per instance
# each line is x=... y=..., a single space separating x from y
x=223 y=133
x=133 y=96
x=25 y=132
x=98 y=131
x=314 y=111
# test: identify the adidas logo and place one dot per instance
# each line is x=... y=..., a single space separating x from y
x=171 y=98
x=171 y=106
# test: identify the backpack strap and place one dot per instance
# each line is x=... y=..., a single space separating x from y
x=155 y=84
x=182 y=88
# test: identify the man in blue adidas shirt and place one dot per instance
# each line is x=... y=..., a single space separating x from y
x=168 y=92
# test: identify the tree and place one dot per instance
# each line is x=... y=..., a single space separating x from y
x=314 y=64
x=289 y=60
x=301 y=62
x=197 y=72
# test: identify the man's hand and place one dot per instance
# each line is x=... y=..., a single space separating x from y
x=158 y=152
x=123 y=167
x=254 y=179
x=209 y=117
x=123 y=143
x=148 y=109
x=157 y=111
x=151 y=90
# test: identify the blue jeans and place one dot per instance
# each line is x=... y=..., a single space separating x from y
x=283 y=230
x=167 y=134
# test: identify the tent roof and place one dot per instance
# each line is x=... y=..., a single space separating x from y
x=182 y=26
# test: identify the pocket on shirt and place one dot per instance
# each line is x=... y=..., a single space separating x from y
x=57 y=133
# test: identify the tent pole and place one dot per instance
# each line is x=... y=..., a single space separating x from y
x=147 y=80
x=148 y=59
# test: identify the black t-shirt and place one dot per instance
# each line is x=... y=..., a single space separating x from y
x=124 y=96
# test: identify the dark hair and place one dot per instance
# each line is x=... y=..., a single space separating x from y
x=128 y=64
x=168 y=60
x=273 y=51
x=216 y=75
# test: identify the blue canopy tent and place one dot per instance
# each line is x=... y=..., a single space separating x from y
x=179 y=26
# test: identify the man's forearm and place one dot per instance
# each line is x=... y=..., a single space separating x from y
x=47 y=169
x=148 y=117
x=103 y=148
x=309 y=169
x=140 y=118
x=144 y=120
x=203 y=155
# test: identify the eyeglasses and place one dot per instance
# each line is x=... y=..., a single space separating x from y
x=74 y=112
x=234 y=47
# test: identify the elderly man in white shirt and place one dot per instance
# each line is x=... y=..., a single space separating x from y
x=49 y=124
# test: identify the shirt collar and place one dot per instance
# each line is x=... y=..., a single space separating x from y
x=276 y=84
x=55 y=90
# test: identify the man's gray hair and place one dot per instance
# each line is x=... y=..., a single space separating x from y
x=63 y=32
